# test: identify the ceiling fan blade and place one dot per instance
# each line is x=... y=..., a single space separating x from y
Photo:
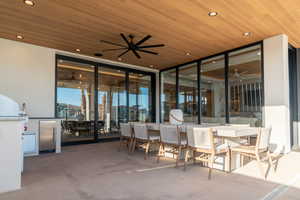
x=125 y=39
x=123 y=53
x=244 y=72
x=112 y=43
x=145 y=51
x=136 y=54
x=143 y=40
x=151 y=46
x=105 y=50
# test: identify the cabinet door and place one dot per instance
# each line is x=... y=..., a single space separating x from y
x=29 y=144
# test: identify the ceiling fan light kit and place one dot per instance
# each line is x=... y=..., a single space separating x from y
x=130 y=45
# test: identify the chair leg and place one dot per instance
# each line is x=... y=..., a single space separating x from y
x=147 y=150
x=130 y=140
x=133 y=145
x=121 y=140
x=159 y=153
x=270 y=160
x=228 y=161
x=178 y=156
x=194 y=157
x=186 y=157
x=210 y=165
x=260 y=166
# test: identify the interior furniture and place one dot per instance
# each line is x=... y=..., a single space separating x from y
x=170 y=136
x=126 y=135
x=201 y=141
x=143 y=137
x=259 y=151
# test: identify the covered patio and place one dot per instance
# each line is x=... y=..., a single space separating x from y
x=149 y=99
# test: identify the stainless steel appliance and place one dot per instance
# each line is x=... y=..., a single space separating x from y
x=47 y=131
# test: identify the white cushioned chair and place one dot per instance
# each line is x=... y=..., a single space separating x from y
x=202 y=141
x=142 y=136
x=170 y=136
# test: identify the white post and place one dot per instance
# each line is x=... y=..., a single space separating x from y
x=276 y=91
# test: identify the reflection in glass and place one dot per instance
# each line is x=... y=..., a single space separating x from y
x=75 y=100
x=168 y=93
x=213 y=90
x=245 y=86
x=188 y=92
x=139 y=98
x=112 y=104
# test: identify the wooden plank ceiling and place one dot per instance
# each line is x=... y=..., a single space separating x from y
x=182 y=25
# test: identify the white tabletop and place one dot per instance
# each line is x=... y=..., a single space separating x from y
x=222 y=131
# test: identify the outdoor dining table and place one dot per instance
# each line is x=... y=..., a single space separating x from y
x=231 y=135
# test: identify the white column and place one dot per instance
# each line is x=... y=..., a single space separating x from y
x=276 y=91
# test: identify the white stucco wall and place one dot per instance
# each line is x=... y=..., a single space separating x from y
x=276 y=85
x=27 y=74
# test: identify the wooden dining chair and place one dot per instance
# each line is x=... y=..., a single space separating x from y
x=126 y=136
x=258 y=151
x=143 y=137
x=201 y=141
x=170 y=137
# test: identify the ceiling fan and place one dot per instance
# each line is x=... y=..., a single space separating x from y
x=238 y=75
x=130 y=45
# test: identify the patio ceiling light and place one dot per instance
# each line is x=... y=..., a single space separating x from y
x=20 y=37
x=188 y=53
x=212 y=14
x=29 y=2
x=247 y=34
x=78 y=50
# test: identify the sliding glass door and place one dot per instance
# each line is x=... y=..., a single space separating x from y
x=75 y=100
x=112 y=101
x=140 y=98
x=93 y=99
x=212 y=91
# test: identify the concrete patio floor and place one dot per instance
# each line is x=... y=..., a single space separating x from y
x=99 y=171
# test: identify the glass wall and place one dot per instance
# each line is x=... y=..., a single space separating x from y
x=112 y=101
x=94 y=98
x=168 y=93
x=188 y=92
x=75 y=100
x=245 y=91
x=212 y=90
x=231 y=88
x=140 y=98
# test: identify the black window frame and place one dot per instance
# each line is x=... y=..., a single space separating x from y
x=198 y=63
x=98 y=66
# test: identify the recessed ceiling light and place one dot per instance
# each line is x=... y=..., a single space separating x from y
x=20 y=37
x=119 y=59
x=151 y=66
x=213 y=62
x=78 y=50
x=188 y=53
x=98 y=54
x=258 y=53
x=29 y=2
x=247 y=34
x=212 y=14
